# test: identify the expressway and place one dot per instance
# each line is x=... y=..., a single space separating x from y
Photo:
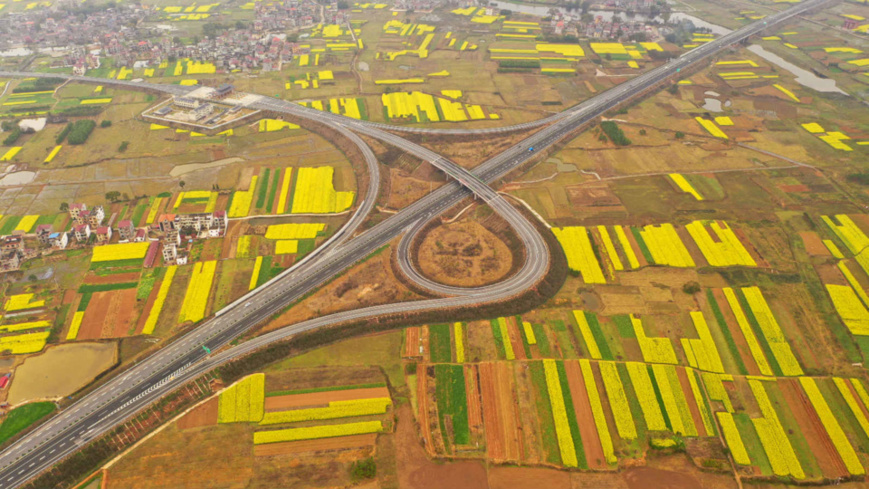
x=184 y=359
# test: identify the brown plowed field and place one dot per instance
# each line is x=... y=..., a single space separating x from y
x=475 y=410
x=518 y=477
x=692 y=247
x=423 y=338
x=294 y=401
x=203 y=415
x=121 y=313
x=516 y=339
x=108 y=315
x=422 y=402
x=813 y=430
x=689 y=398
x=411 y=342
x=499 y=415
x=337 y=443
x=761 y=261
x=584 y=417
x=736 y=332
x=813 y=243
x=417 y=471
x=112 y=279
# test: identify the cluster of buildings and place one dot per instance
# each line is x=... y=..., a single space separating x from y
x=618 y=30
x=176 y=233
x=179 y=231
x=138 y=36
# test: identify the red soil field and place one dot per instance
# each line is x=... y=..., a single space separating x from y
x=516 y=339
x=515 y=477
x=692 y=247
x=813 y=430
x=311 y=399
x=121 y=313
x=651 y=478
x=417 y=471
x=422 y=414
x=411 y=342
x=337 y=443
x=203 y=415
x=692 y=404
x=108 y=315
x=499 y=412
x=813 y=243
x=584 y=417
x=475 y=410
x=736 y=332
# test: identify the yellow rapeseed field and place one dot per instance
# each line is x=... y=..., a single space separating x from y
x=120 y=251
x=315 y=194
x=580 y=256
x=198 y=290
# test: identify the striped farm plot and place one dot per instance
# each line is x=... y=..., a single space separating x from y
x=354 y=108
x=577 y=247
x=719 y=244
x=423 y=107
x=198 y=291
x=583 y=413
x=806 y=428
x=665 y=246
x=337 y=412
x=851 y=235
x=764 y=338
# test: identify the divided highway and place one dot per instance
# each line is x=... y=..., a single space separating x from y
x=184 y=359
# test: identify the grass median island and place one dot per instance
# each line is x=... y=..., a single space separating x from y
x=21 y=417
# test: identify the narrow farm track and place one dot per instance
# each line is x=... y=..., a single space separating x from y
x=184 y=359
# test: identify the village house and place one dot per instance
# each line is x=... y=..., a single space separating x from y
x=43 y=231
x=58 y=240
x=82 y=232
x=104 y=234
x=126 y=231
x=75 y=211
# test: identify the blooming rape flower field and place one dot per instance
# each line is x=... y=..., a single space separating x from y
x=580 y=257
x=18 y=302
x=120 y=251
x=244 y=401
x=315 y=194
x=336 y=409
x=157 y=307
x=196 y=297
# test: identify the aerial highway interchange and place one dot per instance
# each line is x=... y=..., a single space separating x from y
x=185 y=359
